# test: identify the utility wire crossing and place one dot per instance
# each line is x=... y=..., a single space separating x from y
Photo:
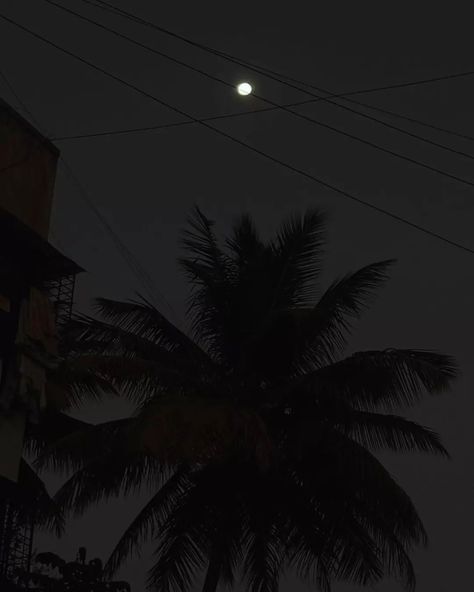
x=262 y=153
x=110 y=8
x=319 y=123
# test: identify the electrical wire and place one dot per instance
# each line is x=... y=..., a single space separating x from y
x=388 y=112
x=134 y=265
x=319 y=123
x=149 y=128
x=38 y=143
x=280 y=78
x=110 y=8
x=138 y=271
x=262 y=153
x=106 y=6
x=176 y=124
x=19 y=100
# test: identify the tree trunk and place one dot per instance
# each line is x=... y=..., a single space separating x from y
x=212 y=575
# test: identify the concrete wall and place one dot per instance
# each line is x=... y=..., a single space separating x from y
x=12 y=430
x=27 y=171
x=27 y=176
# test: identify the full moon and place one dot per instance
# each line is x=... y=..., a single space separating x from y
x=244 y=88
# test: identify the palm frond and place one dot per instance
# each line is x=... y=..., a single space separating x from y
x=331 y=538
x=298 y=253
x=114 y=473
x=359 y=561
x=73 y=383
x=244 y=243
x=398 y=562
x=264 y=548
x=263 y=562
x=52 y=426
x=208 y=304
x=144 y=320
x=72 y=450
x=324 y=540
x=200 y=242
x=204 y=528
x=329 y=323
x=209 y=271
x=179 y=553
x=85 y=335
x=148 y=521
x=376 y=431
x=367 y=487
x=387 y=379
x=308 y=552
x=141 y=379
x=48 y=515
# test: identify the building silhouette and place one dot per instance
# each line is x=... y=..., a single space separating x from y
x=36 y=295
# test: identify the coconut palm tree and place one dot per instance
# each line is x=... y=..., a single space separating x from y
x=254 y=433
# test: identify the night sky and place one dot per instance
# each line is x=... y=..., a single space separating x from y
x=145 y=184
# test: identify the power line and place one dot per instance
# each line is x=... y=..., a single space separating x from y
x=176 y=124
x=388 y=112
x=127 y=255
x=106 y=6
x=19 y=100
x=38 y=143
x=110 y=8
x=244 y=144
x=332 y=128
x=228 y=116
x=140 y=273
x=278 y=77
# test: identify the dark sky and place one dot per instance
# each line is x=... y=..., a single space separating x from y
x=146 y=184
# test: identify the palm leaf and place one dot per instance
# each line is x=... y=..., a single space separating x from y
x=130 y=329
x=358 y=559
x=86 y=334
x=51 y=427
x=72 y=383
x=328 y=324
x=376 y=431
x=113 y=474
x=81 y=444
x=47 y=514
x=140 y=379
x=298 y=254
x=200 y=242
x=244 y=243
x=325 y=540
x=148 y=521
x=205 y=524
x=264 y=555
x=398 y=562
x=179 y=553
x=306 y=549
x=370 y=489
x=386 y=379
x=144 y=320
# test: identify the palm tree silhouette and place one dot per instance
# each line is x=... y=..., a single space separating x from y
x=254 y=433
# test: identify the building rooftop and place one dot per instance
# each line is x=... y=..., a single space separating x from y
x=4 y=106
x=24 y=250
